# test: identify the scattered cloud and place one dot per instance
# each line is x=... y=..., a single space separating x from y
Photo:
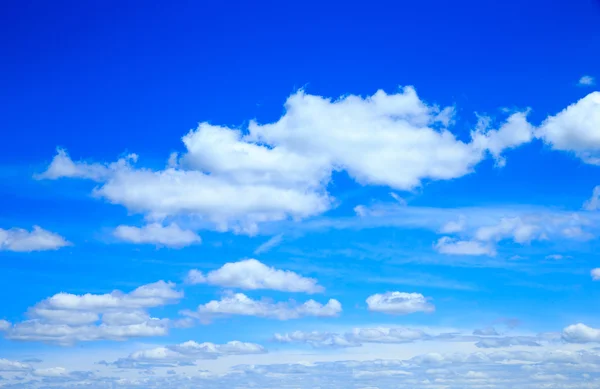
x=580 y=333
x=269 y=244
x=185 y=354
x=594 y=202
x=155 y=233
x=574 y=129
x=38 y=239
x=595 y=273
x=240 y=304
x=67 y=318
x=399 y=303
x=586 y=81
x=251 y=274
x=450 y=246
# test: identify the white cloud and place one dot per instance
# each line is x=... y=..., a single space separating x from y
x=186 y=353
x=515 y=132
x=51 y=372
x=447 y=245
x=399 y=303
x=240 y=304
x=155 y=233
x=454 y=226
x=580 y=333
x=67 y=318
x=4 y=325
x=586 y=81
x=594 y=202
x=595 y=273
x=251 y=274
x=277 y=171
x=7 y=365
x=269 y=244
x=576 y=129
x=316 y=339
x=354 y=338
x=38 y=239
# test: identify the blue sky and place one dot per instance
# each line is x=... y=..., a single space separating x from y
x=271 y=195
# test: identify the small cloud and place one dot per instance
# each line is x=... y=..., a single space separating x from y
x=586 y=81
x=399 y=199
x=269 y=244
x=595 y=273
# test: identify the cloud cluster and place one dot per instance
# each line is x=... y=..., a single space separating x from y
x=240 y=304
x=251 y=274
x=68 y=318
x=185 y=354
x=38 y=239
x=236 y=179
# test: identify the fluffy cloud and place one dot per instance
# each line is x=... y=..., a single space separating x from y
x=399 y=303
x=580 y=333
x=186 y=353
x=236 y=180
x=155 y=233
x=251 y=274
x=38 y=239
x=575 y=129
x=595 y=273
x=240 y=304
x=67 y=318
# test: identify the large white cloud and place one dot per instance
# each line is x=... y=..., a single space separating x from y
x=38 y=239
x=576 y=129
x=236 y=179
x=67 y=318
x=155 y=233
x=240 y=304
x=399 y=303
x=251 y=274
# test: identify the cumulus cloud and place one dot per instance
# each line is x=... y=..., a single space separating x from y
x=586 y=81
x=235 y=180
x=575 y=129
x=67 y=318
x=580 y=333
x=595 y=273
x=251 y=274
x=185 y=354
x=240 y=304
x=155 y=233
x=38 y=239
x=399 y=303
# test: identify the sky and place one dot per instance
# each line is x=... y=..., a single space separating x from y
x=365 y=195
